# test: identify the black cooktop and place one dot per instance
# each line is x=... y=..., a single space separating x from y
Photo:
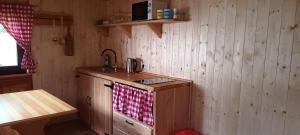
x=154 y=81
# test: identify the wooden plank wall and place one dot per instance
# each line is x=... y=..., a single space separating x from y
x=55 y=71
x=243 y=56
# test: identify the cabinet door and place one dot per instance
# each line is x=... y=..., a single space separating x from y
x=102 y=107
x=85 y=88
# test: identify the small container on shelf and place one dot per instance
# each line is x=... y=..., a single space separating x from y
x=168 y=14
x=175 y=14
x=179 y=14
x=105 y=22
x=99 y=22
x=160 y=14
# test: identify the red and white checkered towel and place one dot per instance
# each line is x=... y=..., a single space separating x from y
x=133 y=102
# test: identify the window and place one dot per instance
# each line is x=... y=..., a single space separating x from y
x=10 y=54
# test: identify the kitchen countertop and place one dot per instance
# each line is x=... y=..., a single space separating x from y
x=128 y=78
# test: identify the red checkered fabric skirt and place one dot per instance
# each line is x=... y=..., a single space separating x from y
x=133 y=102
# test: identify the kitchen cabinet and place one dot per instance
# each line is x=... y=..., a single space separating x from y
x=95 y=103
x=85 y=88
x=171 y=111
x=171 y=106
x=125 y=125
x=102 y=106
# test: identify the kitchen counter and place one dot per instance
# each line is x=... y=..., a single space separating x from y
x=129 y=78
x=170 y=106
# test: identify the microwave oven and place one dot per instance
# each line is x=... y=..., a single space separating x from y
x=146 y=9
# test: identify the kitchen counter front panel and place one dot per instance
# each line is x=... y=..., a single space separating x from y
x=129 y=78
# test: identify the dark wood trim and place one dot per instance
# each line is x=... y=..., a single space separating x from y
x=15 y=83
x=14 y=2
x=17 y=2
x=11 y=77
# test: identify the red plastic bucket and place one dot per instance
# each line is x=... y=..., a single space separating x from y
x=187 y=132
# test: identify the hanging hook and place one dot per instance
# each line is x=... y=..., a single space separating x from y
x=54 y=39
x=61 y=38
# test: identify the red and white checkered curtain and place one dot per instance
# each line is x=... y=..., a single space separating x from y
x=18 y=21
x=134 y=102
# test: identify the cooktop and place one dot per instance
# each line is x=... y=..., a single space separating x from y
x=154 y=81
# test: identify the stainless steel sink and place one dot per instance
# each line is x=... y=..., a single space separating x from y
x=106 y=69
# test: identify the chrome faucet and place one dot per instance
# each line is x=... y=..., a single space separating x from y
x=107 y=58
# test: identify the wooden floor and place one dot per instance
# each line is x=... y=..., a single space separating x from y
x=74 y=127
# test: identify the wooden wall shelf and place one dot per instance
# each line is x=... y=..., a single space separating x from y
x=44 y=17
x=47 y=18
x=155 y=25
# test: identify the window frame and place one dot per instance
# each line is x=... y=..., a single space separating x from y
x=8 y=70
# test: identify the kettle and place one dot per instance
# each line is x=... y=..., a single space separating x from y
x=134 y=65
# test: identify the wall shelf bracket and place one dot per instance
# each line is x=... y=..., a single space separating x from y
x=157 y=29
x=127 y=30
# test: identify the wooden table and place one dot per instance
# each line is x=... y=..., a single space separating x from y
x=26 y=113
